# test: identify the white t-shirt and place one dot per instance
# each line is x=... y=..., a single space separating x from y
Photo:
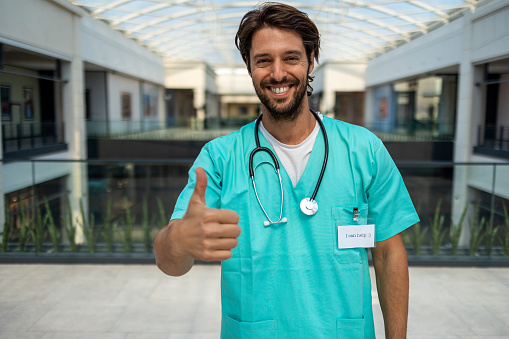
x=294 y=158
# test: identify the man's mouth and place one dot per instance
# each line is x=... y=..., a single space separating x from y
x=279 y=90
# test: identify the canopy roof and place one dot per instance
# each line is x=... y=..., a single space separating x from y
x=204 y=30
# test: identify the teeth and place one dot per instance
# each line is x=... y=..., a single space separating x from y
x=280 y=90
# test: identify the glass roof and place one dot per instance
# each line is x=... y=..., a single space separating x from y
x=204 y=30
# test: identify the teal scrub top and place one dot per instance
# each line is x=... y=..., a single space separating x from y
x=290 y=280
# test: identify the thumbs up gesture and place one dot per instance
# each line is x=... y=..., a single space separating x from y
x=204 y=233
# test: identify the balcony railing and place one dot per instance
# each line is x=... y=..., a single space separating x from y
x=214 y=127
x=416 y=131
x=147 y=191
x=112 y=129
x=30 y=136
x=493 y=137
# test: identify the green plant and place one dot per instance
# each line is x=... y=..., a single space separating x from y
x=127 y=227
x=456 y=231
x=53 y=230
x=70 y=227
x=505 y=240
x=90 y=232
x=417 y=237
x=109 y=227
x=146 y=224
x=163 y=217
x=491 y=236
x=437 y=229
x=476 y=233
x=24 y=231
x=7 y=231
x=39 y=231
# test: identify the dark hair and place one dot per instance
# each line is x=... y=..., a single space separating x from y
x=277 y=15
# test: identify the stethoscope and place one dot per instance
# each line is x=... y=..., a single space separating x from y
x=308 y=206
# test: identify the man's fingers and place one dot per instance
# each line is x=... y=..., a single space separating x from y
x=226 y=216
x=218 y=230
x=219 y=255
x=200 y=186
x=223 y=244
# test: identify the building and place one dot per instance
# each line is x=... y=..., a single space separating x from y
x=66 y=77
x=63 y=74
x=453 y=81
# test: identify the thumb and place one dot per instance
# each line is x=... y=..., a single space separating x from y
x=201 y=185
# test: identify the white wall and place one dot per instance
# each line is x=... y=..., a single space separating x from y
x=110 y=49
x=234 y=81
x=438 y=49
x=490 y=31
x=39 y=24
x=345 y=77
x=185 y=75
x=117 y=85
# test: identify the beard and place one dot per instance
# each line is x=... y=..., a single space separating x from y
x=276 y=107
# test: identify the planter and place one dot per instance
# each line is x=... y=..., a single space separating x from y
x=138 y=255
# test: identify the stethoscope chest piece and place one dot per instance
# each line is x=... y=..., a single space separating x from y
x=308 y=206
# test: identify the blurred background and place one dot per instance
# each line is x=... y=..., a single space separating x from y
x=105 y=105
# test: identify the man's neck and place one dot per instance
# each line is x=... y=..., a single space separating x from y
x=290 y=132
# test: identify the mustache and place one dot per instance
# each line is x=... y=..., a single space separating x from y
x=272 y=82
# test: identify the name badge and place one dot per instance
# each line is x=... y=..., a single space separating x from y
x=356 y=236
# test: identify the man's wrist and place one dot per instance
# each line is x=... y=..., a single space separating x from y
x=173 y=231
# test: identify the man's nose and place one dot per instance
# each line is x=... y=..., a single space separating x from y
x=278 y=70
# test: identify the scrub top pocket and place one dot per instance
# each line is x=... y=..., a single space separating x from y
x=232 y=328
x=342 y=216
x=350 y=328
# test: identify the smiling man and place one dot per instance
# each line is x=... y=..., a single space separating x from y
x=290 y=205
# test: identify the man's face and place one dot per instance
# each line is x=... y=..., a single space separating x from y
x=279 y=70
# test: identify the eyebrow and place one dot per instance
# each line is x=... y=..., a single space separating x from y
x=261 y=55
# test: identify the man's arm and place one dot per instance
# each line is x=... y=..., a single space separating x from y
x=168 y=258
x=203 y=233
x=391 y=269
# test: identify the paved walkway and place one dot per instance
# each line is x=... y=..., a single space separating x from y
x=138 y=301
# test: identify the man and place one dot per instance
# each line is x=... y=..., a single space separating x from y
x=296 y=276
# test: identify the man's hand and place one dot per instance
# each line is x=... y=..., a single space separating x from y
x=207 y=234
x=203 y=233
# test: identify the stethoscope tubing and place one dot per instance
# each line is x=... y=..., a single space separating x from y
x=326 y=155
x=276 y=165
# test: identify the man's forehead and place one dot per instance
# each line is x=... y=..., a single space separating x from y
x=276 y=38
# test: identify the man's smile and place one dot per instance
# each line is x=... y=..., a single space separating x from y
x=279 y=90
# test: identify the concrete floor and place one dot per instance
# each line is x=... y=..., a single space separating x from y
x=138 y=301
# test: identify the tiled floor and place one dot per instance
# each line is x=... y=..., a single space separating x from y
x=138 y=301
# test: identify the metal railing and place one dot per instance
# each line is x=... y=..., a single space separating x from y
x=493 y=137
x=109 y=129
x=153 y=186
x=214 y=127
x=25 y=136
x=416 y=131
